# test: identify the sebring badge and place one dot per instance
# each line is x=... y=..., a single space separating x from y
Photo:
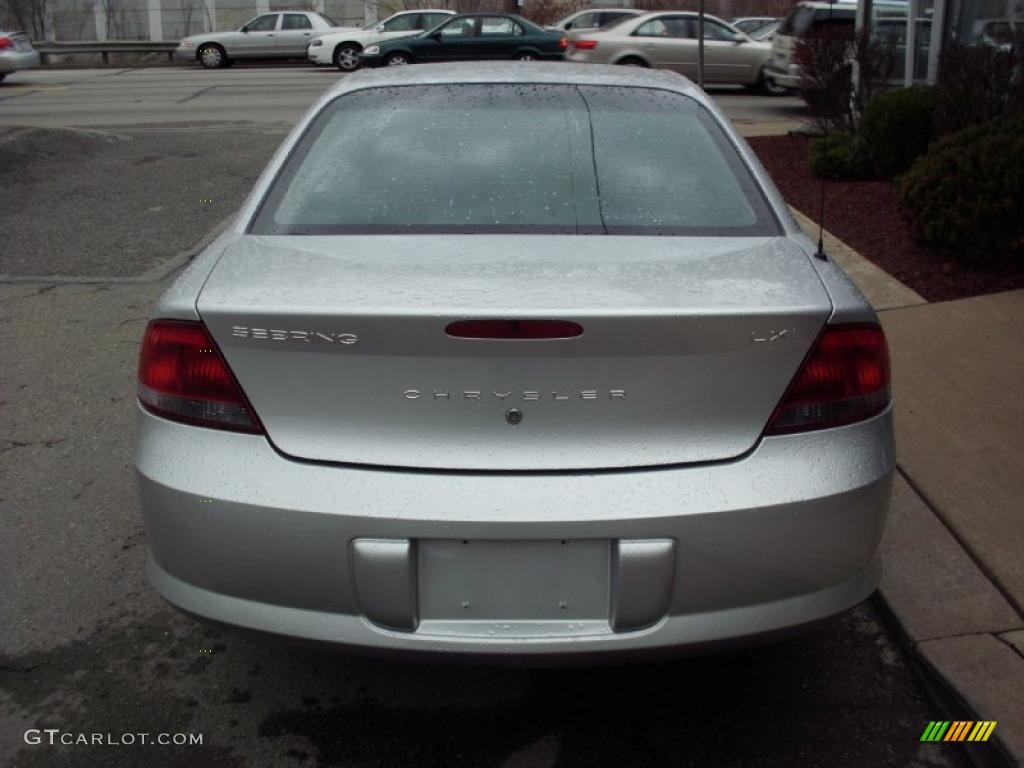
x=310 y=337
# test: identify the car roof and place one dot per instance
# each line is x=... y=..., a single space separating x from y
x=691 y=14
x=494 y=13
x=694 y=14
x=553 y=73
x=844 y=4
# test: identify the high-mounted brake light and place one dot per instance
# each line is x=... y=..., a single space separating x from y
x=844 y=379
x=514 y=329
x=584 y=45
x=183 y=377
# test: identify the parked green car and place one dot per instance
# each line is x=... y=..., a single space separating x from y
x=468 y=37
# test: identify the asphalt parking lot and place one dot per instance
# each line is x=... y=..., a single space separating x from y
x=96 y=216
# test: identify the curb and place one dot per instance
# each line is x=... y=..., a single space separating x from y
x=955 y=621
x=880 y=288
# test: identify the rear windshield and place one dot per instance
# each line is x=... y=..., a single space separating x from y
x=514 y=158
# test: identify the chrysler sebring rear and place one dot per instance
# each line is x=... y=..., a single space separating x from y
x=526 y=360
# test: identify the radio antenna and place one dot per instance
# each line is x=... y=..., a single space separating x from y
x=829 y=40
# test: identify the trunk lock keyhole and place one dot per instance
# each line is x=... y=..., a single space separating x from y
x=514 y=416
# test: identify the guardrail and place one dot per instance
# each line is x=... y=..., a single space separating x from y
x=104 y=48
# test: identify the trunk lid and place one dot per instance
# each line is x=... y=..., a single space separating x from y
x=688 y=344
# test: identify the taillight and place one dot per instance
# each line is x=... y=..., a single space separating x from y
x=563 y=42
x=183 y=377
x=6 y=42
x=844 y=379
x=584 y=45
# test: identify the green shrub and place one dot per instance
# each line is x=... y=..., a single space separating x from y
x=840 y=156
x=966 y=195
x=897 y=128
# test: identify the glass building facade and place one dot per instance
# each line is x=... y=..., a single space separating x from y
x=915 y=32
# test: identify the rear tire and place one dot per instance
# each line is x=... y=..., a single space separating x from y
x=768 y=87
x=2 y=76
x=632 y=61
x=346 y=57
x=212 y=56
x=397 y=60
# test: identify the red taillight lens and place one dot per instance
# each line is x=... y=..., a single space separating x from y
x=183 y=377
x=844 y=379
x=6 y=42
x=563 y=42
x=584 y=45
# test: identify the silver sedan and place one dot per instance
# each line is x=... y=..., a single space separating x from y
x=433 y=392
x=670 y=41
x=16 y=52
x=268 y=36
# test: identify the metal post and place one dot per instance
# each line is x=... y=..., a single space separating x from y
x=99 y=18
x=156 y=20
x=938 y=39
x=209 y=17
x=863 y=16
x=910 y=54
x=700 y=45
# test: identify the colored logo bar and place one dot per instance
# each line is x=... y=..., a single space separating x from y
x=958 y=730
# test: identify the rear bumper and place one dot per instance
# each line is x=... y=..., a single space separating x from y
x=787 y=78
x=12 y=61
x=320 y=55
x=783 y=537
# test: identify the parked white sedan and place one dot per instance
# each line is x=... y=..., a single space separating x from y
x=341 y=47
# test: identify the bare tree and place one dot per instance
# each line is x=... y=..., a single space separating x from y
x=828 y=60
x=73 y=20
x=29 y=16
x=549 y=11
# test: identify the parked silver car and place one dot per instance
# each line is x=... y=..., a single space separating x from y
x=594 y=18
x=269 y=36
x=767 y=31
x=432 y=392
x=669 y=40
x=16 y=52
x=747 y=24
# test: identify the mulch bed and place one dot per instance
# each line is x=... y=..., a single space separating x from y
x=866 y=216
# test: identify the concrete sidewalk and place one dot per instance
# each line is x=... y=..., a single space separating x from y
x=954 y=547
x=953 y=550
